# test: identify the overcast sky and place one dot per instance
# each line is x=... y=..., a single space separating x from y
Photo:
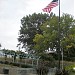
x=12 y=11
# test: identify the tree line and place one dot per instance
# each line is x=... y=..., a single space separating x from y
x=39 y=34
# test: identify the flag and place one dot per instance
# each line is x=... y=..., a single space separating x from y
x=50 y=6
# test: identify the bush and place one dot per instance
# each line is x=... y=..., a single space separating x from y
x=6 y=62
x=21 y=65
x=1 y=62
x=42 y=70
x=26 y=66
x=62 y=72
x=70 y=67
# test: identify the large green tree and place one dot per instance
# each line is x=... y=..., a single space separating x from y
x=30 y=26
x=48 y=40
x=39 y=33
x=68 y=35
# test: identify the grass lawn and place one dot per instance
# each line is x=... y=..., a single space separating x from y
x=72 y=73
x=4 y=65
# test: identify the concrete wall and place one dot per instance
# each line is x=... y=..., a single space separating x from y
x=3 y=71
x=17 y=71
x=22 y=71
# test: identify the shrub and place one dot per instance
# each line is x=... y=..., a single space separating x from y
x=6 y=62
x=70 y=67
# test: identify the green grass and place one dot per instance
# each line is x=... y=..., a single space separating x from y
x=4 y=65
x=72 y=73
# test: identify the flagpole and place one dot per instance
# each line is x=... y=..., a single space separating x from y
x=48 y=9
x=59 y=39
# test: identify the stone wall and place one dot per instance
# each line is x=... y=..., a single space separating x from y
x=1 y=71
x=22 y=71
x=4 y=71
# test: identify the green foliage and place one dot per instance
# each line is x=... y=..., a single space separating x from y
x=42 y=70
x=40 y=46
x=50 y=35
x=29 y=28
x=39 y=33
x=70 y=67
x=21 y=65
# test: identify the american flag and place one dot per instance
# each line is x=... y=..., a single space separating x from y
x=53 y=4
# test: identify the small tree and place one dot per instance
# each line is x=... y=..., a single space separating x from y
x=45 y=62
x=0 y=46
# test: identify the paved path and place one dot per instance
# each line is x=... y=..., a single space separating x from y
x=3 y=74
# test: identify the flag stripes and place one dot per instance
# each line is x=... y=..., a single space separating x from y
x=50 y=6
